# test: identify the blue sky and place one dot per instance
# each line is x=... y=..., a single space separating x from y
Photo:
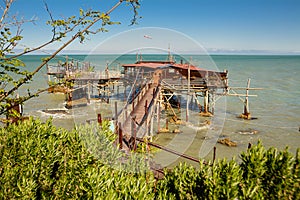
x=218 y=25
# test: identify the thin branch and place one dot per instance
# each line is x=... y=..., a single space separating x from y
x=53 y=39
x=28 y=77
x=13 y=44
x=7 y=6
x=52 y=19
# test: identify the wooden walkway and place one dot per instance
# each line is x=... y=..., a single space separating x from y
x=135 y=117
x=139 y=111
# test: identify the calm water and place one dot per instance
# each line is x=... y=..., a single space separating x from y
x=277 y=107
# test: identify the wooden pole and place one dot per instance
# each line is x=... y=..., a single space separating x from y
x=213 y=102
x=206 y=101
x=188 y=93
x=125 y=93
x=120 y=136
x=249 y=145
x=146 y=107
x=151 y=127
x=198 y=103
x=167 y=124
x=246 y=104
x=158 y=117
x=214 y=156
x=134 y=132
x=132 y=106
x=116 y=114
x=88 y=92
x=99 y=119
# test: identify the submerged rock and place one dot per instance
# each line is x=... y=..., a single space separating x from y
x=248 y=132
x=55 y=111
x=227 y=142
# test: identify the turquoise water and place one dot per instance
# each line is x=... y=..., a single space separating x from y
x=277 y=107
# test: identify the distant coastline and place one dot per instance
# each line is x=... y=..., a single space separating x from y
x=209 y=52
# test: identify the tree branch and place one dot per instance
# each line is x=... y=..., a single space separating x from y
x=29 y=76
x=7 y=7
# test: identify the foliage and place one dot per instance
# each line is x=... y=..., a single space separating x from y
x=262 y=174
x=40 y=161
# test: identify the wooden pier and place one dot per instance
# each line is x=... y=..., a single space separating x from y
x=154 y=85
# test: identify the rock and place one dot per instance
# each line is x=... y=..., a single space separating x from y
x=206 y=114
x=227 y=142
x=248 y=132
x=164 y=130
x=176 y=131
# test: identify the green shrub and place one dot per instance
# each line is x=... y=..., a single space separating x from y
x=40 y=161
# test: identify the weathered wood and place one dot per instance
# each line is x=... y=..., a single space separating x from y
x=99 y=118
x=120 y=133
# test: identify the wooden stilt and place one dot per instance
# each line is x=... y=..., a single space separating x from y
x=151 y=127
x=88 y=92
x=99 y=119
x=146 y=107
x=167 y=124
x=206 y=101
x=116 y=114
x=125 y=97
x=249 y=145
x=188 y=94
x=158 y=117
x=214 y=155
x=246 y=114
x=134 y=132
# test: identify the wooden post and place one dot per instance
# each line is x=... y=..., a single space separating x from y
x=88 y=92
x=151 y=127
x=99 y=119
x=116 y=114
x=198 y=103
x=133 y=93
x=188 y=93
x=147 y=126
x=249 y=145
x=125 y=93
x=213 y=96
x=246 y=114
x=158 y=117
x=146 y=107
x=132 y=106
x=133 y=129
x=214 y=155
x=15 y=107
x=206 y=101
x=120 y=136
x=167 y=124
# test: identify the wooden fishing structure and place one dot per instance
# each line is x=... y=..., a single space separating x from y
x=155 y=85
x=79 y=81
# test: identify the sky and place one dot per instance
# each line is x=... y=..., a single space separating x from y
x=219 y=26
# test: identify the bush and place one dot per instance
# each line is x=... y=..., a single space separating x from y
x=40 y=161
x=262 y=174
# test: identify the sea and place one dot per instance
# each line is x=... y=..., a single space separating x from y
x=275 y=105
